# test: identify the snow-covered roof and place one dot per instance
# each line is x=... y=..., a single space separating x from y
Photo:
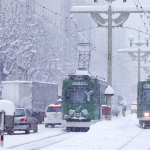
x=104 y=9
x=109 y=90
x=134 y=102
x=133 y=50
x=17 y=81
x=7 y=106
x=82 y=72
x=30 y=82
x=59 y=100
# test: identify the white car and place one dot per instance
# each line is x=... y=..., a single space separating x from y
x=134 y=107
x=52 y=115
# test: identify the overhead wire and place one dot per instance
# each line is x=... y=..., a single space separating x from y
x=141 y=15
x=63 y=29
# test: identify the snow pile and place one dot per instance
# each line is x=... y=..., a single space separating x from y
x=82 y=72
x=7 y=106
x=103 y=135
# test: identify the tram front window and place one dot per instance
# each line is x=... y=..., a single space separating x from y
x=146 y=97
x=78 y=95
x=146 y=94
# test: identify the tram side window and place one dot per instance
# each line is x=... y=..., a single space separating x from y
x=78 y=95
x=138 y=96
x=146 y=97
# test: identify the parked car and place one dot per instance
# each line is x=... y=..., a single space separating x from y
x=52 y=115
x=24 y=121
x=134 y=107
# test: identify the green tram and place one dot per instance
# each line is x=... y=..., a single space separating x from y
x=82 y=97
x=143 y=103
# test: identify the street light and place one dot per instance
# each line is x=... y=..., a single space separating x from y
x=131 y=38
x=147 y=38
x=139 y=43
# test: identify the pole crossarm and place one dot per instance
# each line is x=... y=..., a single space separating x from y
x=95 y=12
x=133 y=50
x=114 y=8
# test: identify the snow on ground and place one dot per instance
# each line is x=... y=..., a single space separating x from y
x=20 y=137
x=104 y=135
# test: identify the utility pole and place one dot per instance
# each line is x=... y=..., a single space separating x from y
x=131 y=52
x=109 y=10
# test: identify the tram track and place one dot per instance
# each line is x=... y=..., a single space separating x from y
x=15 y=146
x=131 y=140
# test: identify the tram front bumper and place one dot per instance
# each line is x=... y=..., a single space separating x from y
x=76 y=123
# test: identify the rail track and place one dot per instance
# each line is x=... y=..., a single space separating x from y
x=44 y=142
x=35 y=141
x=123 y=146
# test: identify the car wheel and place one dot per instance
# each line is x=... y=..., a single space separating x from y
x=86 y=129
x=27 y=131
x=52 y=126
x=10 y=132
x=46 y=125
x=35 y=129
x=68 y=129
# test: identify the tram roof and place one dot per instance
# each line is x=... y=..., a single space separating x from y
x=82 y=72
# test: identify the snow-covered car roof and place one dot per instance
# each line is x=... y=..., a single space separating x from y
x=59 y=100
x=51 y=105
x=134 y=102
x=7 y=106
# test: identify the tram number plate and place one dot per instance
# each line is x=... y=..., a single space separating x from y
x=67 y=116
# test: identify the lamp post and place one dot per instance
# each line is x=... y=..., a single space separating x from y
x=145 y=52
x=139 y=43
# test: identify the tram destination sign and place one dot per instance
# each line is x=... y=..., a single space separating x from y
x=146 y=85
x=79 y=83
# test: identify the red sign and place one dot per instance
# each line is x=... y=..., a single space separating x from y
x=106 y=111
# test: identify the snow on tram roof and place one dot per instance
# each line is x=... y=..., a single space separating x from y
x=82 y=72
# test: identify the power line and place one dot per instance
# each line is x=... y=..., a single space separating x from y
x=46 y=19
x=135 y=30
x=141 y=15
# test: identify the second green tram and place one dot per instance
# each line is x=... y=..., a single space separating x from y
x=143 y=103
x=82 y=97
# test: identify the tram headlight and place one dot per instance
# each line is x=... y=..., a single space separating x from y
x=146 y=114
x=71 y=112
x=85 y=112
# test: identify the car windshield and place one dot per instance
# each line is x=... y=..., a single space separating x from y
x=54 y=109
x=19 y=113
x=78 y=95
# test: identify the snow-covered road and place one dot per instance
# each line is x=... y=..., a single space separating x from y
x=122 y=133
